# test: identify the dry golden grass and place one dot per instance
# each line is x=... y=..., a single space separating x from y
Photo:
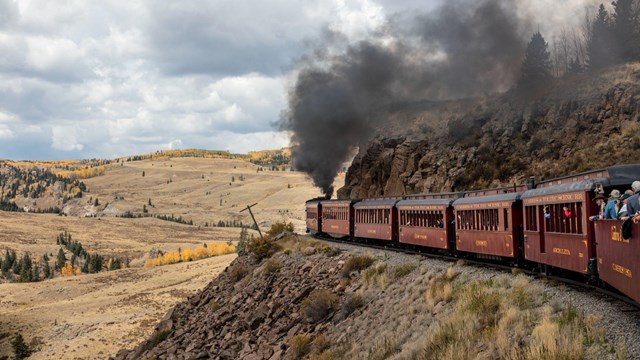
x=508 y=318
x=202 y=190
x=93 y=316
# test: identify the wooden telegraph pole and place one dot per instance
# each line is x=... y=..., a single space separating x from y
x=254 y=219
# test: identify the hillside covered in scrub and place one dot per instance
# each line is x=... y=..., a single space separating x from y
x=306 y=299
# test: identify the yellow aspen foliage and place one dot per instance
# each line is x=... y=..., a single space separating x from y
x=187 y=255
x=214 y=249
x=69 y=270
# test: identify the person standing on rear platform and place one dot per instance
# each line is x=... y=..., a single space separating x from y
x=610 y=211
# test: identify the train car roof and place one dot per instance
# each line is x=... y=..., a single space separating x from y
x=584 y=185
x=376 y=203
x=512 y=196
x=610 y=176
x=337 y=202
x=418 y=202
x=445 y=195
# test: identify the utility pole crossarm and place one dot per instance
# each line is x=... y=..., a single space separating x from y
x=254 y=219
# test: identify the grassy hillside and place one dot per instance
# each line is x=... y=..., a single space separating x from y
x=93 y=315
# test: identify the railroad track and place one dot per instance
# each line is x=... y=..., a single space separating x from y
x=633 y=307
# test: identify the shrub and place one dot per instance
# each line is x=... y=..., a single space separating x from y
x=279 y=227
x=403 y=270
x=351 y=304
x=320 y=344
x=319 y=304
x=356 y=263
x=299 y=346
x=237 y=272
x=271 y=266
x=262 y=248
x=160 y=336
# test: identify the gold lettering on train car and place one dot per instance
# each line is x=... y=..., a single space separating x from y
x=420 y=236
x=481 y=243
x=615 y=235
x=622 y=270
x=555 y=198
x=561 y=251
x=371 y=231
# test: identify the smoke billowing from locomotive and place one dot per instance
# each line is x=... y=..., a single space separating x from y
x=462 y=49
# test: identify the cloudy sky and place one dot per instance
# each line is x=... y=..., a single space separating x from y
x=85 y=78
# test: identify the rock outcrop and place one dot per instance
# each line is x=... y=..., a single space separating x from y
x=584 y=123
x=249 y=312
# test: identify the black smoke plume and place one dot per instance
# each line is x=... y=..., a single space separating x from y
x=462 y=49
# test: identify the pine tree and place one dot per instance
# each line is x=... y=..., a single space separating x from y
x=599 y=45
x=536 y=67
x=61 y=260
x=47 y=270
x=625 y=31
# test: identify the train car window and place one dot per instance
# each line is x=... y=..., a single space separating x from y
x=565 y=218
x=506 y=213
x=531 y=216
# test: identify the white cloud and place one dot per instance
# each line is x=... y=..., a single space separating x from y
x=5 y=132
x=64 y=138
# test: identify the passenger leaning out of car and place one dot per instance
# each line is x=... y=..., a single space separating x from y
x=611 y=211
x=599 y=199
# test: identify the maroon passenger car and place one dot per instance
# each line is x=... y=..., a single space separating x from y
x=314 y=221
x=337 y=215
x=426 y=220
x=376 y=219
x=489 y=222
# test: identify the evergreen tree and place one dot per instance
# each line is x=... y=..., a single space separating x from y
x=625 y=31
x=20 y=348
x=35 y=275
x=47 y=270
x=26 y=266
x=574 y=66
x=599 y=47
x=61 y=260
x=536 y=67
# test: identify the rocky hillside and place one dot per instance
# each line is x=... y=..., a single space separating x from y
x=578 y=123
x=317 y=301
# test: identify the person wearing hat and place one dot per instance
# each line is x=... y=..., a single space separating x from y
x=599 y=199
x=622 y=212
x=633 y=204
x=611 y=211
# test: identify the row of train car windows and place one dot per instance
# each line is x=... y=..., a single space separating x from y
x=422 y=218
x=312 y=214
x=560 y=218
x=486 y=220
x=373 y=216
x=335 y=213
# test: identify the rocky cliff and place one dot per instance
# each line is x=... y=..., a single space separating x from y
x=578 y=123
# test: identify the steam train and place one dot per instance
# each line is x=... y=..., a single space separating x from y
x=543 y=226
